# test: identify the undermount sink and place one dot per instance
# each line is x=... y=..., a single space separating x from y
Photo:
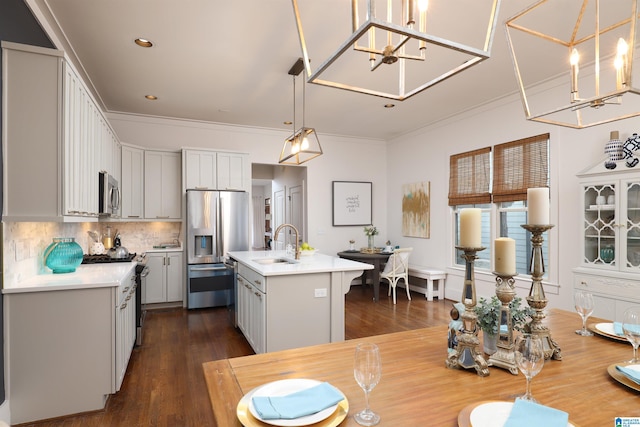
x=273 y=261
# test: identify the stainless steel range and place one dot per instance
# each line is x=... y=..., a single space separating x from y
x=141 y=272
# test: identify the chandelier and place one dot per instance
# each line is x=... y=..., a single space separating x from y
x=395 y=54
x=303 y=145
x=574 y=61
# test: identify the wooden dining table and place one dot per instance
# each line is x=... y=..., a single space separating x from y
x=417 y=389
x=377 y=259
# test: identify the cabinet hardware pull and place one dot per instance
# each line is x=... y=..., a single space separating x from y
x=133 y=216
x=123 y=306
x=125 y=289
x=257 y=294
x=257 y=282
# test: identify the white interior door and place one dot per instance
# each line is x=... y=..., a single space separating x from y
x=278 y=214
x=296 y=198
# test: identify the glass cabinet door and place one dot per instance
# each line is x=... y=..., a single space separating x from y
x=632 y=224
x=600 y=225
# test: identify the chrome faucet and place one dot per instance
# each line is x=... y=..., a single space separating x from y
x=281 y=226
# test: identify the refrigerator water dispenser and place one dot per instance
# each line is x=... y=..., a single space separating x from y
x=203 y=245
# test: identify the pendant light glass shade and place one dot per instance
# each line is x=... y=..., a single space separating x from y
x=303 y=145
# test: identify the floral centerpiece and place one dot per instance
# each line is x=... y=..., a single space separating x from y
x=370 y=232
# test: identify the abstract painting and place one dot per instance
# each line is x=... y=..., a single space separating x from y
x=415 y=209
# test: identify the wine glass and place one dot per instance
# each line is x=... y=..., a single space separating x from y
x=367 y=371
x=584 y=307
x=631 y=329
x=529 y=355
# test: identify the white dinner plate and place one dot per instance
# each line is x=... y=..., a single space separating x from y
x=492 y=414
x=283 y=388
x=607 y=330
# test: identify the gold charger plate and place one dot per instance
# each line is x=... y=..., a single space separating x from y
x=621 y=378
x=464 y=417
x=248 y=420
x=593 y=327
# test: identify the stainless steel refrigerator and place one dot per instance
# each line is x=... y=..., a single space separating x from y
x=217 y=222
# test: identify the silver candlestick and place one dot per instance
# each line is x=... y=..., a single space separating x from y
x=466 y=354
x=537 y=299
x=505 y=357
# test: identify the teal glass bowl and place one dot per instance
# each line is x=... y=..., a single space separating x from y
x=64 y=255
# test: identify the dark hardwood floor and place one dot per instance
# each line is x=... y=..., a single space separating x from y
x=164 y=385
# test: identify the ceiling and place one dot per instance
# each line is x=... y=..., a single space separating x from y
x=227 y=62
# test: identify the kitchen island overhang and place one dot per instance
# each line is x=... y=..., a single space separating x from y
x=320 y=296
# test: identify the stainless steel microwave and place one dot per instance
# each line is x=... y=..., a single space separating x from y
x=108 y=195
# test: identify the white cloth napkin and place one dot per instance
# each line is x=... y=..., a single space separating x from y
x=530 y=414
x=632 y=374
x=298 y=404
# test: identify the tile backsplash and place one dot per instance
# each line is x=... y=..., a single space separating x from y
x=25 y=242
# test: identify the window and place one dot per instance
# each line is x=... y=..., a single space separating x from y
x=496 y=181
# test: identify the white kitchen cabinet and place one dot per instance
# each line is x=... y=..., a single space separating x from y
x=164 y=283
x=610 y=244
x=125 y=318
x=216 y=170
x=251 y=302
x=162 y=185
x=233 y=171
x=132 y=182
x=68 y=349
x=283 y=311
x=52 y=126
x=200 y=169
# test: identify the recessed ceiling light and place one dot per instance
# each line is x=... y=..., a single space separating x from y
x=389 y=105
x=151 y=97
x=143 y=42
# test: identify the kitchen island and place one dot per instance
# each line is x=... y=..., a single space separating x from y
x=68 y=339
x=285 y=303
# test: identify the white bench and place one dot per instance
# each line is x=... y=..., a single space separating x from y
x=429 y=274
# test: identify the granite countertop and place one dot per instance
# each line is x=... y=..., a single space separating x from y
x=86 y=276
x=307 y=264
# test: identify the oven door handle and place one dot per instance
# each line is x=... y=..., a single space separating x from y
x=207 y=268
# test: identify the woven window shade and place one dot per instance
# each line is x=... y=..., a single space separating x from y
x=470 y=177
x=519 y=165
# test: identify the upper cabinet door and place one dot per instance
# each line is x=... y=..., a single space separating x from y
x=233 y=171
x=200 y=169
x=162 y=189
x=132 y=182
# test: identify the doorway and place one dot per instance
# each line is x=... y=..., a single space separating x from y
x=278 y=197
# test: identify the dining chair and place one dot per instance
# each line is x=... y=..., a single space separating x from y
x=397 y=268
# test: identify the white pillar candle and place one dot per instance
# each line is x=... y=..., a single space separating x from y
x=538 y=205
x=505 y=256
x=470 y=228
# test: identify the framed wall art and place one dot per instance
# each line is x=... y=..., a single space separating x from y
x=415 y=209
x=352 y=203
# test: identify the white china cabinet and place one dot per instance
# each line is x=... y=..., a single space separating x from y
x=610 y=238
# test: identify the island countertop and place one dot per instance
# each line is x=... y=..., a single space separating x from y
x=307 y=264
x=85 y=276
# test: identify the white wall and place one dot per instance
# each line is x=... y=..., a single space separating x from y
x=424 y=156
x=344 y=159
